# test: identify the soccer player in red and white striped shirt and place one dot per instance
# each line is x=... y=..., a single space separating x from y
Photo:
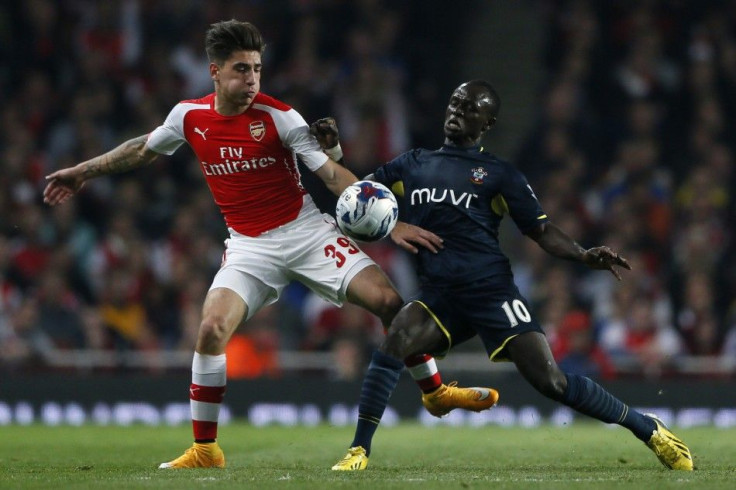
x=247 y=145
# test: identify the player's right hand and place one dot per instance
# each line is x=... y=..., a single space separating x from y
x=603 y=258
x=62 y=185
x=406 y=236
x=326 y=132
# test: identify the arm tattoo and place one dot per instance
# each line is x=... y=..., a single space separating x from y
x=127 y=156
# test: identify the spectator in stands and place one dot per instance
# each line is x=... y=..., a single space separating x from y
x=253 y=349
x=579 y=352
x=370 y=103
x=123 y=315
x=635 y=337
x=348 y=358
x=697 y=319
x=22 y=343
x=30 y=254
x=59 y=311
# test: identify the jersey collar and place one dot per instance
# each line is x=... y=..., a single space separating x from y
x=451 y=147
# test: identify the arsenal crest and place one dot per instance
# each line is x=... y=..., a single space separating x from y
x=257 y=130
x=479 y=174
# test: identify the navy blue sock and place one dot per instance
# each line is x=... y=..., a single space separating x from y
x=378 y=384
x=589 y=398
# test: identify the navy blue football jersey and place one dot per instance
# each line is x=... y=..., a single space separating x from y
x=461 y=194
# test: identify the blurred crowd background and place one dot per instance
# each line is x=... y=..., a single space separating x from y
x=631 y=145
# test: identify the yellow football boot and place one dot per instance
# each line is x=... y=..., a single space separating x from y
x=208 y=455
x=449 y=397
x=671 y=451
x=355 y=459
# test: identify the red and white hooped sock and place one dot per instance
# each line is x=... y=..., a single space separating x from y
x=423 y=368
x=206 y=393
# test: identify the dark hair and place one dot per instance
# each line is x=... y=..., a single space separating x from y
x=227 y=36
x=495 y=99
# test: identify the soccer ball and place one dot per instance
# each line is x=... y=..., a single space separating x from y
x=366 y=211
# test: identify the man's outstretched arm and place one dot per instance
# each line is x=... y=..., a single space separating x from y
x=558 y=243
x=66 y=182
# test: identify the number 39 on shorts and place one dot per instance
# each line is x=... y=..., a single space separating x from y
x=343 y=245
x=515 y=312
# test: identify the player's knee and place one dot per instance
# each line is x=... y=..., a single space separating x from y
x=213 y=334
x=387 y=304
x=397 y=343
x=553 y=385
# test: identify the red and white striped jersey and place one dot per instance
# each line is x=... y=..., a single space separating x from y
x=249 y=160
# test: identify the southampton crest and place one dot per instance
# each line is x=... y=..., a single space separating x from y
x=257 y=130
x=479 y=174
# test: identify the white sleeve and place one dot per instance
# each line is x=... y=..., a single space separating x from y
x=294 y=133
x=168 y=137
x=305 y=145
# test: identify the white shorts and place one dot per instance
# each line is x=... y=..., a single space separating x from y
x=310 y=249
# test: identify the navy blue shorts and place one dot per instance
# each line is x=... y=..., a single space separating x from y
x=496 y=313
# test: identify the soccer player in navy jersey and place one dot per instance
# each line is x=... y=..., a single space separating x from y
x=461 y=193
x=247 y=144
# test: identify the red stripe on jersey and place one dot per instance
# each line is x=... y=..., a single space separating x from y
x=209 y=394
x=204 y=430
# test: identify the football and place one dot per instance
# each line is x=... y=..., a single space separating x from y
x=367 y=211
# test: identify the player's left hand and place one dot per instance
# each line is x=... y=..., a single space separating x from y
x=405 y=236
x=326 y=132
x=603 y=258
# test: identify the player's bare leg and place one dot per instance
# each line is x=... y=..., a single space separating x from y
x=372 y=290
x=414 y=331
x=411 y=335
x=222 y=312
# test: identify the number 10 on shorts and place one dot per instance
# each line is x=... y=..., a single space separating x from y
x=516 y=311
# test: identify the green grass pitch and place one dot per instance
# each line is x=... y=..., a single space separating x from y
x=404 y=457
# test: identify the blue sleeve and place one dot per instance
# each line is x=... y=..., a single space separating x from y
x=523 y=205
x=391 y=172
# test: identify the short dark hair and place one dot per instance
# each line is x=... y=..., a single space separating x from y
x=227 y=36
x=495 y=98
